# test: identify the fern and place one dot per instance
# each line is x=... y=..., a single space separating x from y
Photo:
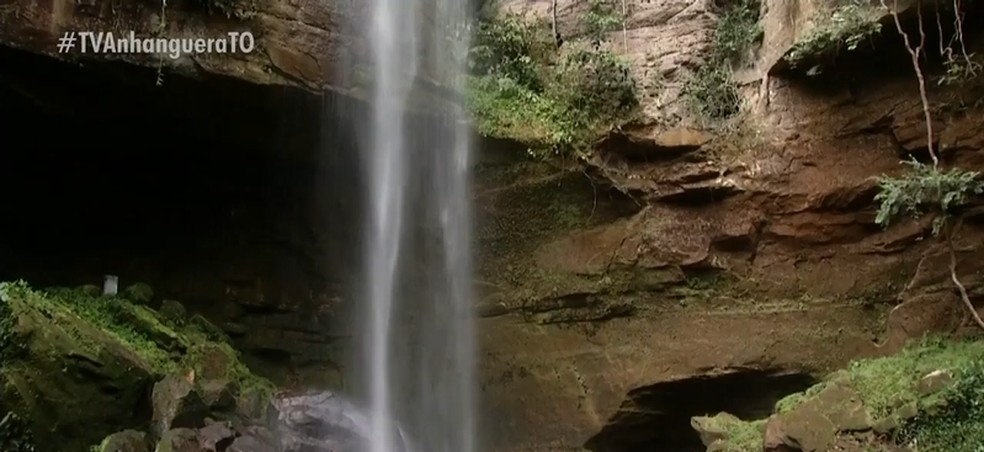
x=925 y=189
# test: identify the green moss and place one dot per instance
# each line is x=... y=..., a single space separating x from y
x=743 y=436
x=890 y=382
x=949 y=420
x=958 y=425
x=844 y=28
x=85 y=363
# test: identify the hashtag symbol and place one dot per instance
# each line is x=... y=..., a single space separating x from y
x=66 y=42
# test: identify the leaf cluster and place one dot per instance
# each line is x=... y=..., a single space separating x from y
x=924 y=189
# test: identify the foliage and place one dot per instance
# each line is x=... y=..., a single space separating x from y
x=959 y=70
x=737 y=32
x=233 y=9
x=505 y=109
x=959 y=425
x=845 y=28
x=711 y=91
x=601 y=19
x=518 y=92
x=505 y=47
x=594 y=85
x=15 y=436
x=925 y=188
x=9 y=344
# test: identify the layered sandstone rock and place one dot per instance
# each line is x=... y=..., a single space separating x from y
x=674 y=254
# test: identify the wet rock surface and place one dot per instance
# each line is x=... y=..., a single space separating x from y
x=311 y=422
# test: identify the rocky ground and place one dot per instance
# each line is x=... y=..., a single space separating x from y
x=82 y=372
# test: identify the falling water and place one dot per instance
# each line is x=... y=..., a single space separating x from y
x=421 y=376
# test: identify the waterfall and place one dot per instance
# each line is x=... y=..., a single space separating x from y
x=419 y=347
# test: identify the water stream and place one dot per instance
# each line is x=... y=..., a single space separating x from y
x=421 y=377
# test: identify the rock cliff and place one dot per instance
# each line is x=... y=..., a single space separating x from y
x=680 y=260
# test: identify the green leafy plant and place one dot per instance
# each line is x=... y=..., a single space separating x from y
x=959 y=70
x=518 y=91
x=601 y=19
x=957 y=425
x=711 y=91
x=843 y=29
x=595 y=85
x=505 y=47
x=737 y=32
x=927 y=187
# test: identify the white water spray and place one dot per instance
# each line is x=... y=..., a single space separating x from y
x=420 y=376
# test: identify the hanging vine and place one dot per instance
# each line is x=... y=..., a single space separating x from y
x=929 y=188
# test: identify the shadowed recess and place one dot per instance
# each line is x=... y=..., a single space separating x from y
x=657 y=418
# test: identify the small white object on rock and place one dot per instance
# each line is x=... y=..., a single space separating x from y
x=934 y=381
x=111 y=285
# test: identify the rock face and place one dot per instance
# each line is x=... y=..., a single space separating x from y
x=674 y=253
x=296 y=43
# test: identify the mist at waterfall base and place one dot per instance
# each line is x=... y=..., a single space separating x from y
x=417 y=337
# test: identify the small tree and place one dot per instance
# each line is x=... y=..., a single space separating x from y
x=924 y=188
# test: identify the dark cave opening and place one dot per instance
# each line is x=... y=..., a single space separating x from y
x=657 y=418
x=223 y=195
x=102 y=172
x=883 y=55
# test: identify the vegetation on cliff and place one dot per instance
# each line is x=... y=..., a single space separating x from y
x=555 y=99
x=841 y=28
x=929 y=188
x=78 y=366
x=928 y=396
x=711 y=91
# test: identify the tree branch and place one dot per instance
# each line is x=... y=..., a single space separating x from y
x=958 y=20
x=914 y=52
x=964 y=296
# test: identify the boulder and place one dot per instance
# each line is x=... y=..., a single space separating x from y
x=219 y=395
x=125 y=441
x=711 y=428
x=139 y=293
x=216 y=437
x=179 y=440
x=173 y=311
x=934 y=381
x=807 y=429
x=775 y=438
x=177 y=404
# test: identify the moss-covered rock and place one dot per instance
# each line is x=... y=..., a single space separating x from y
x=139 y=293
x=77 y=367
x=931 y=394
x=125 y=441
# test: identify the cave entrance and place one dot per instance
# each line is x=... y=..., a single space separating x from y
x=238 y=200
x=656 y=418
